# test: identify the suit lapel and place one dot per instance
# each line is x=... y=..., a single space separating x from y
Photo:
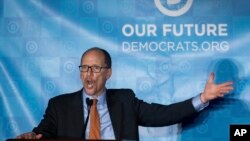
x=77 y=114
x=115 y=112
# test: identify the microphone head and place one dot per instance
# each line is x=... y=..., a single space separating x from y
x=89 y=101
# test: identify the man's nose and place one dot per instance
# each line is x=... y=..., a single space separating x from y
x=89 y=71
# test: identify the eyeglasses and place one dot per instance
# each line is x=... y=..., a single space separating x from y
x=95 y=69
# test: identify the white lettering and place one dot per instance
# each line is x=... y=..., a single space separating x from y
x=180 y=30
x=151 y=30
x=180 y=46
x=201 y=31
x=194 y=29
x=211 y=30
x=189 y=28
x=166 y=29
x=222 y=29
x=240 y=132
x=129 y=30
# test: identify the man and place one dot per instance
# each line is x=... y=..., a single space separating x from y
x=120 y=111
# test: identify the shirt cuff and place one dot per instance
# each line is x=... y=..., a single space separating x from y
x=198 y=104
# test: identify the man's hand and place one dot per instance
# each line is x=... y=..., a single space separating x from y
x=213 y=91
x=29 y=135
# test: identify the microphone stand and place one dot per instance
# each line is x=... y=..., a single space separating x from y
x=89 y=103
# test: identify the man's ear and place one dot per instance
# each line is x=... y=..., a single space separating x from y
x=109 y=73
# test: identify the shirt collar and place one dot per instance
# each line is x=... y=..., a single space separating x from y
x=101 y=98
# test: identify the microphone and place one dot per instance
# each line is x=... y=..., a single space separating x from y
x=89 y=103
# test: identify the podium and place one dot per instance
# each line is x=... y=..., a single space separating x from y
x=46 y=140
x=54 y=140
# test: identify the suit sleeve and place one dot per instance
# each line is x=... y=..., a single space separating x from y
x=48 y=125
x=157 y=115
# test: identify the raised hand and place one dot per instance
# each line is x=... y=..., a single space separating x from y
x=213 y=91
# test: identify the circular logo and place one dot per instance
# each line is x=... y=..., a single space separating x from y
x=184 y=66
x=88 y=7
x=69 y=66
x=203 y=128
x=11 y=126
x=107 y=27
x=49 y=87
x=13 y=27
x=145 y=86
x=175 y=12
x=31 y=47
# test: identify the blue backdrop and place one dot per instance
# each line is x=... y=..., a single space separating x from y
x=163 y=49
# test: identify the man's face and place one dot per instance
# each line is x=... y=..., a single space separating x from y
x=94 y=83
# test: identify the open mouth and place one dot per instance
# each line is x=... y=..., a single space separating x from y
x=89 y=84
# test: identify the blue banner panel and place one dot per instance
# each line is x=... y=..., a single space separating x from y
x=162 y=49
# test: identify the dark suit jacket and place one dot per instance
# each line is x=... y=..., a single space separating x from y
x=64 y=115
